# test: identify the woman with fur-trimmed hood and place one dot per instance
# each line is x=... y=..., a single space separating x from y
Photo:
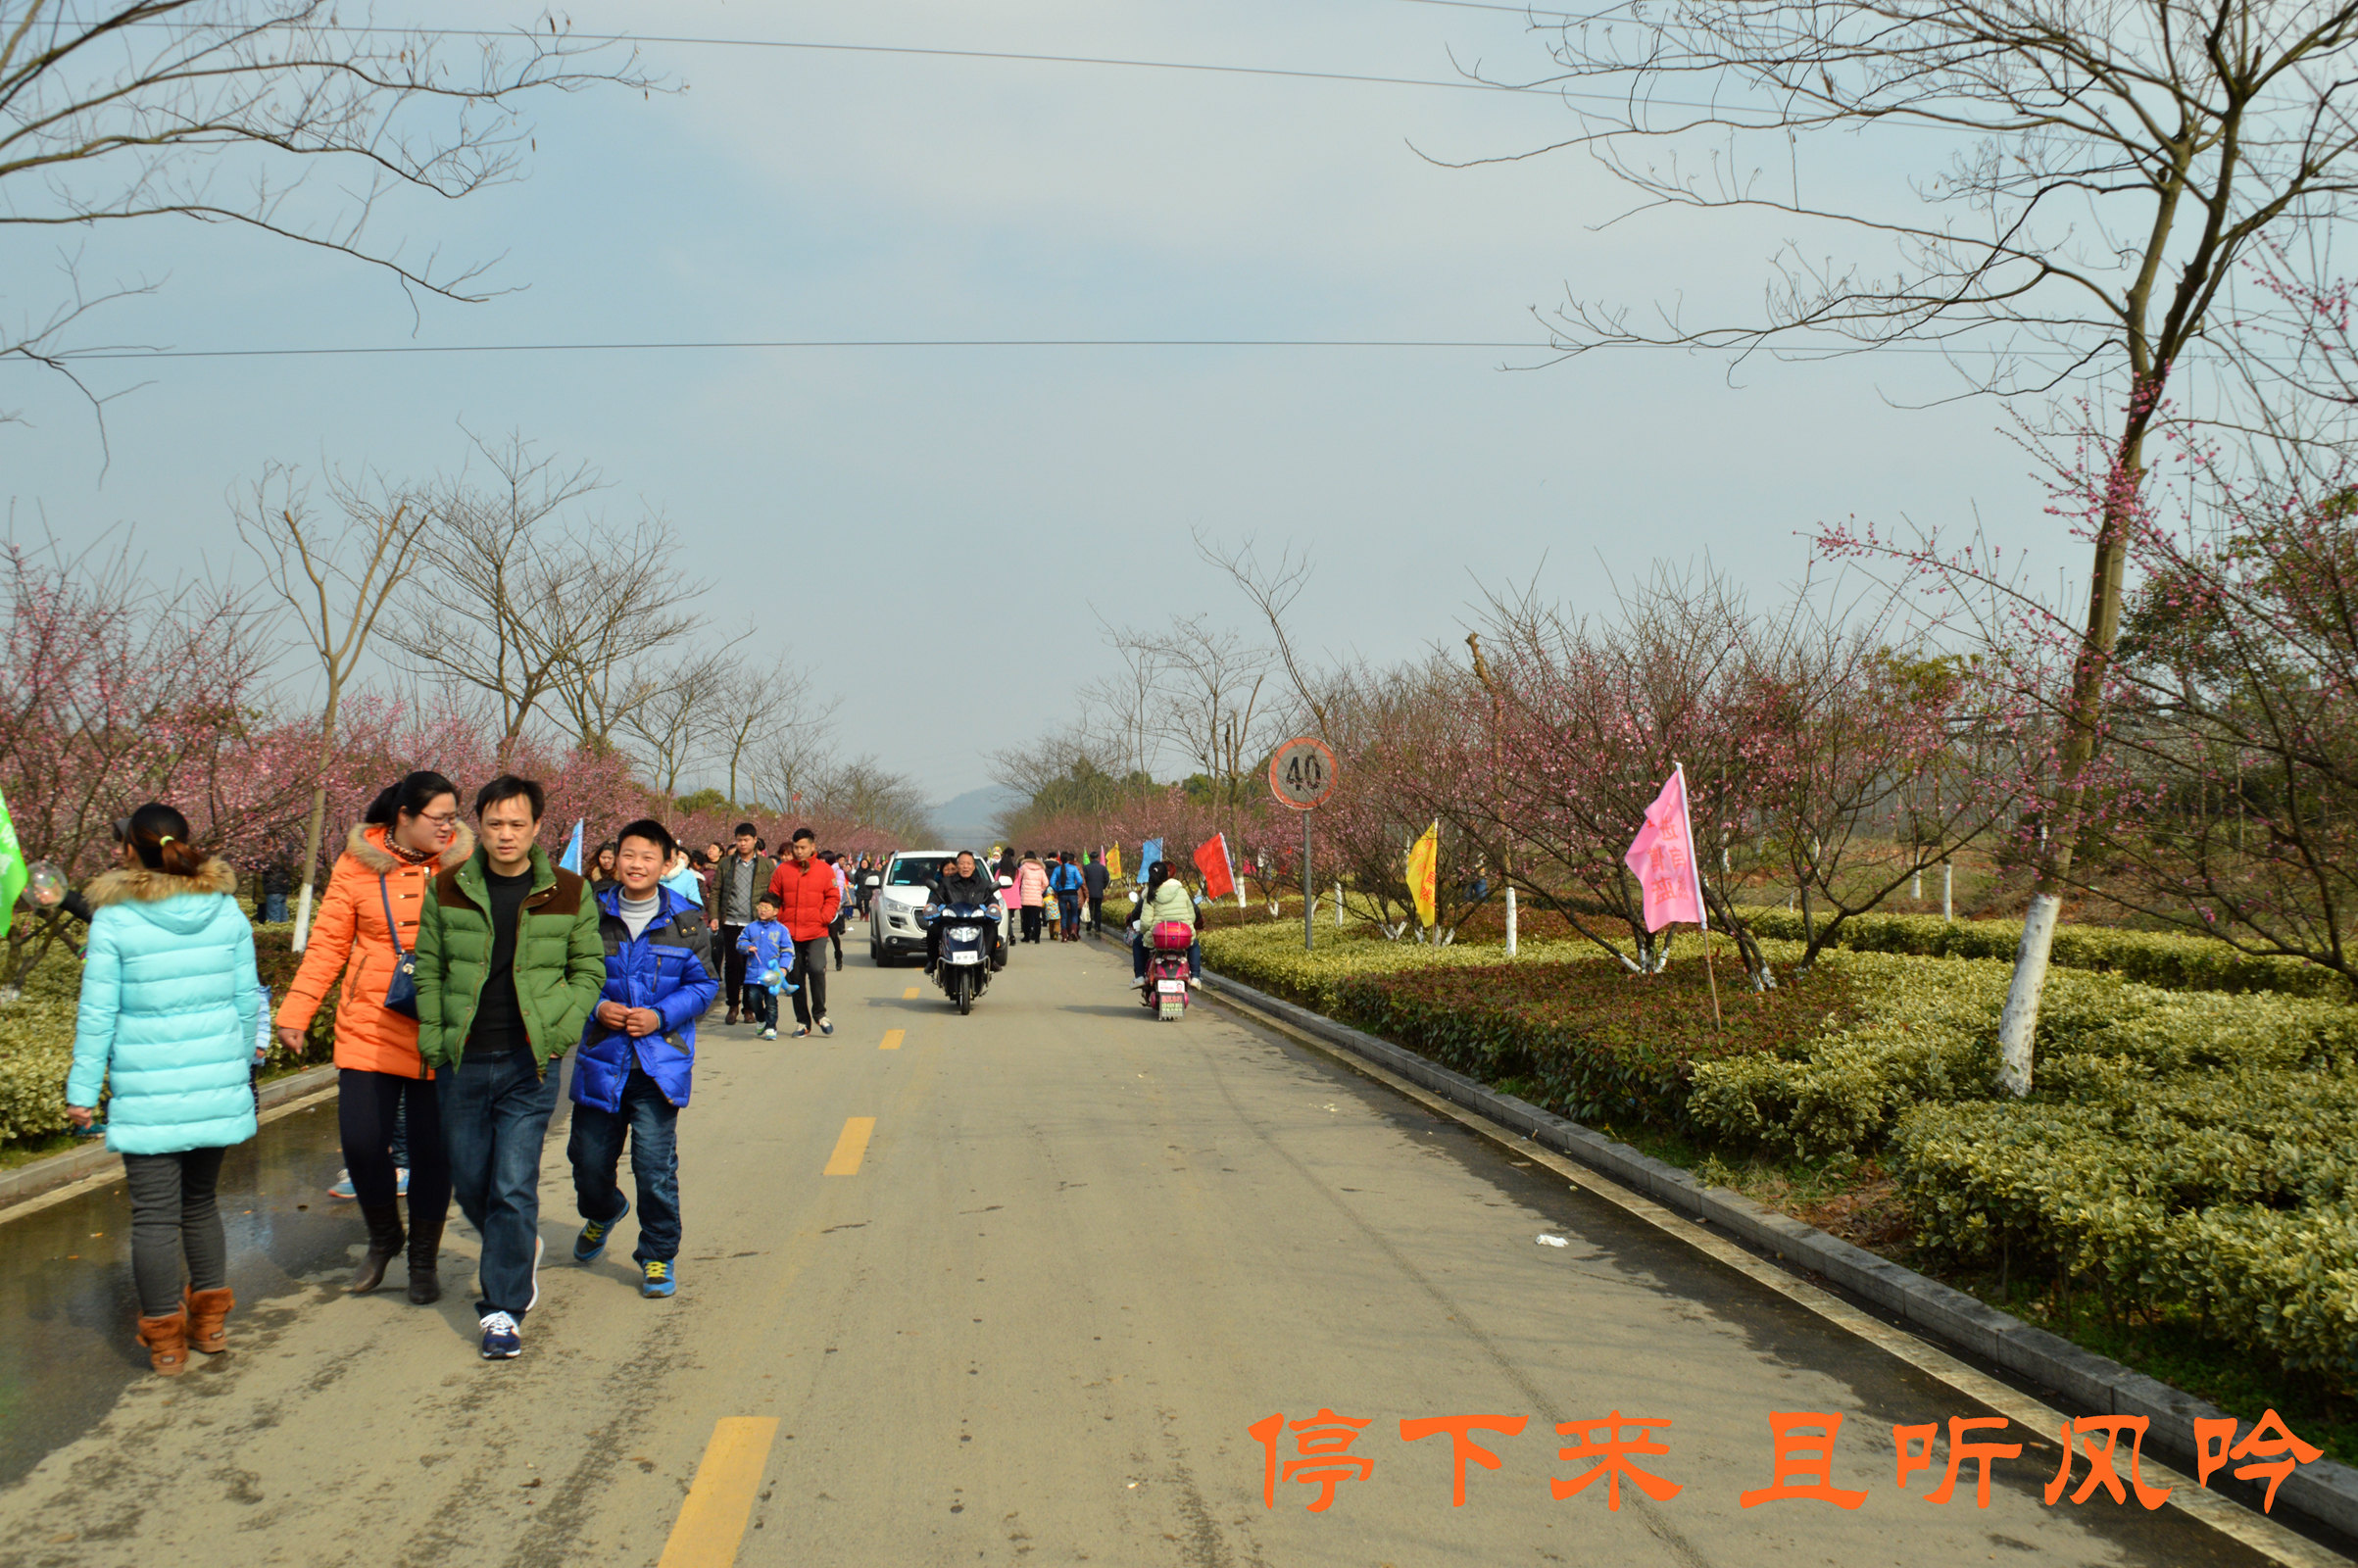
x=170 y=1005
x=368 y=920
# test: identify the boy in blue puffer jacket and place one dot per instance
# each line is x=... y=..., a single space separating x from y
x=770 y=947
x=638 y=1056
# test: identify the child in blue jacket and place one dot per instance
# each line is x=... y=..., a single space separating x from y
x=638 y=1056
x=772 y=949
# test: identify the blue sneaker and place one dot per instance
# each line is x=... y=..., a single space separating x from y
x=341 y=1186
x=502 y=1340
x=401 y=1182
x=592 y=1241
x=663 y=1277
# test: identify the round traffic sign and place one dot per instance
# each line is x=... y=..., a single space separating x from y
x=1302 y=773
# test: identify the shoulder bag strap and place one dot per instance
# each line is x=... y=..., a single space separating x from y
x=392 y=927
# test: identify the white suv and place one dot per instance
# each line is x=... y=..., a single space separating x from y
x=893 y=928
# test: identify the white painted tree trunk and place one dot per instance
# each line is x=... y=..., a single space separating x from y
x=1948 y=879
x=1510 y=922
x=301 y=919
x=2020 y=1020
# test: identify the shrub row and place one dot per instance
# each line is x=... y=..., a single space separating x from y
x=1585 y=1038
x=2189 y=1150
x=2180 y=961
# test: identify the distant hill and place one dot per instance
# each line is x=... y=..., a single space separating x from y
x=964 y=820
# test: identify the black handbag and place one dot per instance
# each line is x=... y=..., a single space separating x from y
x=401 y=996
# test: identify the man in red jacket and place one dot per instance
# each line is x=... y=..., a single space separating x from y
x=807 y=894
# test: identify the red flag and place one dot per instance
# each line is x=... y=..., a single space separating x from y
x=1211 y=858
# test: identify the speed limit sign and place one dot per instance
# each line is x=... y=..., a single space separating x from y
x=1302 y=773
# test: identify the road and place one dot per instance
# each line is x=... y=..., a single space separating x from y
x=1030 y=1319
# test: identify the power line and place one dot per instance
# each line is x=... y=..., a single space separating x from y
x=803 y=343
x=1791 y=353
x=1009 y=56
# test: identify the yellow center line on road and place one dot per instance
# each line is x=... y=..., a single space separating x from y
x=911 y=995
x=852 y=1147
x=721 y=1500
x=893 y=1039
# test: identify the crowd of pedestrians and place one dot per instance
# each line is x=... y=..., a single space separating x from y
x=465 y=967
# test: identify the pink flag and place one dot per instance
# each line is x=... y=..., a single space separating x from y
x=1662 y=860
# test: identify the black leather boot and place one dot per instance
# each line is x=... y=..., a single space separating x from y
x=384 y=1246
x=425 y=1260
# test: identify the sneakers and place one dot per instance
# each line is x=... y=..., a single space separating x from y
x=662 y=1277
x=770 y=1033
x=801 y=1031
x=1139 y=984
x=502 y=1341
x=826 y=1026
x=401 y=1181
x=592 y=1240
x=341 y=1186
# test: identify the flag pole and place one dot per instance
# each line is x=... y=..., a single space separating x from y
x=1694 y=870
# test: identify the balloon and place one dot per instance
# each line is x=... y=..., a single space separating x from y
x=45 y=883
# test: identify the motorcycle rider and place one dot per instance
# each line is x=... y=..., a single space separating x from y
x=964 y=882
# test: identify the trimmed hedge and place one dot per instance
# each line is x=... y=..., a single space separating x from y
x=2188 y=1152
x=1586 y=1038
x=2178 y=962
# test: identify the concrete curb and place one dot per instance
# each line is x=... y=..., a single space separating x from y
x=2324 y=1492
x=39 y=1176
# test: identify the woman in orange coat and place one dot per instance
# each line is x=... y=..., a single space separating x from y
x=410 y=833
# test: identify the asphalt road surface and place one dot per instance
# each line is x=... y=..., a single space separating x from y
x=1013 y=1287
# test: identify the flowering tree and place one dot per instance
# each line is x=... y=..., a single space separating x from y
x=116 y=694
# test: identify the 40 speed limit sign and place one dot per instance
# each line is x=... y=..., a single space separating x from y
x=1302 y=773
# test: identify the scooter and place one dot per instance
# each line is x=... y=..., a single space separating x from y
x=963 y=967
x=1166 y=993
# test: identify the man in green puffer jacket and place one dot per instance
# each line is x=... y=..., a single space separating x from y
x=509 y=963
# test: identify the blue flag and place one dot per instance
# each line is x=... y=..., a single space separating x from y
x=1147 y=855
x=571 y=859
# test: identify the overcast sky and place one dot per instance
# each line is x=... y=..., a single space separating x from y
x=886 y=512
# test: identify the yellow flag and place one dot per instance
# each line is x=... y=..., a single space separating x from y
x=1114 y=863
x=1424 y=871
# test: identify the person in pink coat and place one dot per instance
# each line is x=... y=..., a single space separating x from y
x=1031 y=889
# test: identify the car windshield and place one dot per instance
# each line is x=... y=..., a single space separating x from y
x=918 y=871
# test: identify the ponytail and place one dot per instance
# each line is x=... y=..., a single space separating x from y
x=159 y=835
x=411 y=796
x=1156 y=875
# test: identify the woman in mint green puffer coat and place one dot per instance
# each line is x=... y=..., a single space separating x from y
x=170 y=1005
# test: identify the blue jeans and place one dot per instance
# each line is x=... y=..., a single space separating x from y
x=495 y=1115
x=596 y=1150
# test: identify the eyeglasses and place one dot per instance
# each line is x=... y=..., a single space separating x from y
x=442 y=822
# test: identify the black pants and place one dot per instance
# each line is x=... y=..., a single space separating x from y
x=732 y=963
x=810 y=973
x=366 y=1103
x=1096 y=911
x=1031 y=923
x=174 y=1213
x=835 y=935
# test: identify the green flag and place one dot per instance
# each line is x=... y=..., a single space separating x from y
x=11 y=868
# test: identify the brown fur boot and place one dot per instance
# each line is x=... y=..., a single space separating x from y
x=166 y=1341
x=208 y=1312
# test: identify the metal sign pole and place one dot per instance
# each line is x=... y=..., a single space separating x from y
x=1306 y=944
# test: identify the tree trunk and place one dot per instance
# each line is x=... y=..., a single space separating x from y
x=2018 y=1025
x=318 y=822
